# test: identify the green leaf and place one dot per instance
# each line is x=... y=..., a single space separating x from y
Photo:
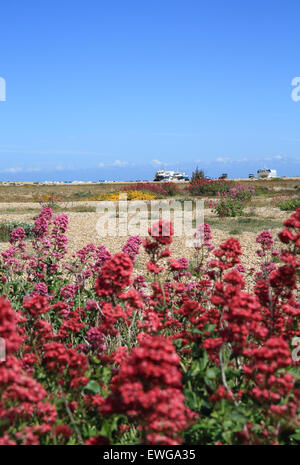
x=212 y=373
x=238 y=417
x=93 y=387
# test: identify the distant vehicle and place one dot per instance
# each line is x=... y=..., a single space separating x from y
x=223 y=176
x=266 y=173
x=251 y=176
x=168 y=176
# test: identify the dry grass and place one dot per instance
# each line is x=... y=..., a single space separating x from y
x=67 y=192
x=240 y=225
x=76 y=192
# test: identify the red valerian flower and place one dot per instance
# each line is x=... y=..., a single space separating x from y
x=133 y=297
x=271 y=385
x=228 y=254
x=22 y=397
x=36 y=305
x=57 y=358
x=64 y=431
x=153 y=268
x=115 y=275
x=17 y=235
x=98 y=441
x=110 y=314
x=148 y=388
x=162 y=231
x=8 y=330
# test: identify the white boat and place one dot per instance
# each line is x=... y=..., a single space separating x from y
x=167 y=176
x=266 y=173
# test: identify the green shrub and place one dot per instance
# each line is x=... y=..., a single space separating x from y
x=227 y=206
x=82 y=194
x=289 y=204
x=197 y=174
x=233 y=201
x=209 y=187
x=170 y=187
x=261 y=190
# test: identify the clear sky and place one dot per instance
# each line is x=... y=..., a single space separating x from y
x=115 y=89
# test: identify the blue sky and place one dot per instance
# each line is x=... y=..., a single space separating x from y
x=116 y=89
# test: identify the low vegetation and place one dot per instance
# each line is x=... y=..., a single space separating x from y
x=180 y=354
x=240 y=224
x=287 y=203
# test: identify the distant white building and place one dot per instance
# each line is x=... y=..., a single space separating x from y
x=265 y=173
x=164 y=175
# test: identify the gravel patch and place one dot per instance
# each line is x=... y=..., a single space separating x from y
x=82 y=231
